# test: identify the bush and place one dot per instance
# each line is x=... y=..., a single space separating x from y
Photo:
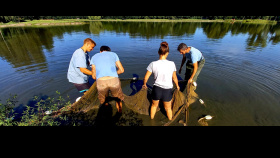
x=33 y=116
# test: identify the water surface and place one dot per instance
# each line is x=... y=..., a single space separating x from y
x=239 y=82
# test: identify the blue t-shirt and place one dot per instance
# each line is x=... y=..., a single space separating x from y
x=79 y=59
x=194 y=55
x=105 y=64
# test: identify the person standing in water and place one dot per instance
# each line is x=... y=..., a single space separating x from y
x=194 y=64
x=106 y=67
x=164 y=72
x=77 y=71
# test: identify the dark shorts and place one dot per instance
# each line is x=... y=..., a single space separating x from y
x=83 y=87
x=159 y=93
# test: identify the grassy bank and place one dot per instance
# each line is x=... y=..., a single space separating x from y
x=256 y=21
x=83 y=21
x=45 y=22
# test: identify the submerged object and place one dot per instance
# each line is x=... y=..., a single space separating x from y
x=194 y=83
x=48 y=112
x=201 y=101
x=78 y=99
x=208 y=117
x=203 y=121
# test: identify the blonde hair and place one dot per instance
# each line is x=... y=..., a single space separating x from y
x=88 y=40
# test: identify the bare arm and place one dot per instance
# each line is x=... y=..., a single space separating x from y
x=85 y=71
x=93 y=70
x=175 y=79
x=195 y=66
x=182 y=63
x=120 y=67
x=146 y=78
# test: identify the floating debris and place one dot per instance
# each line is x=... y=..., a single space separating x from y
x=201 y=101
x=183 y=122
x=208 y=117
x=48 y=112
x=78 y=99
x=194 y=84
x=203 y=121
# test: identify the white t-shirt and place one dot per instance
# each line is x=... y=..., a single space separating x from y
x=163 y=71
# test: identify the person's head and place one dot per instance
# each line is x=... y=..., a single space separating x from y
x=163 y=49
x=89 y=44
x=183 y=48
x=104 y=48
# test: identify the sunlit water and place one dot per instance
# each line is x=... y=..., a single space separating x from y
x=239 y=82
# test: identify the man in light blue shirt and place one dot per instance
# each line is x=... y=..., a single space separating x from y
x=105 y=64
x=194 y=64
x=77 y=71
x=106 y=67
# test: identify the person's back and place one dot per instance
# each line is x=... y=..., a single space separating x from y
x=106 y=67
x=163 y=71
x=195 y=55
x=105 y=64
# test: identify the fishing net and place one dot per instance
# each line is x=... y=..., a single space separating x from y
x=87 y=101
x=139 y=101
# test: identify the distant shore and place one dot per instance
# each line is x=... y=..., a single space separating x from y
x=44 y=23
x=51 y=22
x=257 y=21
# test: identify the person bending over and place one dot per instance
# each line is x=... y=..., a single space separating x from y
x=77 y=71
x=106 y=67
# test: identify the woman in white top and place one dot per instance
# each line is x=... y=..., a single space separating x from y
x=164 y=72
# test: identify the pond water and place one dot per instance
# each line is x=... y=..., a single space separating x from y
x=239 y=82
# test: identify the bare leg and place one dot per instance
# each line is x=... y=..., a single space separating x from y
x=167 y=107
x=119 y=106
x=154 y=108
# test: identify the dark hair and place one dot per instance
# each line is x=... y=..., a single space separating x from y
x=105 y=48
x=163 y=49
x=182 y=46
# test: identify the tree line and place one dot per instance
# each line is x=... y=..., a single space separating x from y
x=5 y=19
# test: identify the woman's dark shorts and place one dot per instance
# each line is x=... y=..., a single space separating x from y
x=159 y=93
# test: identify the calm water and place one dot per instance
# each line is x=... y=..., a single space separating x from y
x=239 y=82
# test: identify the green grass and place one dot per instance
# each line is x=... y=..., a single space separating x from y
x=83 y=21
x=45 y=22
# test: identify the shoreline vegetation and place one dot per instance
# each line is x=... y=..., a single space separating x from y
x=52 y=22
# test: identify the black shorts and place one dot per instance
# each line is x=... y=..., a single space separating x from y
x=82 y=87
x=159 y=93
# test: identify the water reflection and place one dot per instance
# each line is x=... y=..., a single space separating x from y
x=27 y=44
x=259 y=34
x=41 y=55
